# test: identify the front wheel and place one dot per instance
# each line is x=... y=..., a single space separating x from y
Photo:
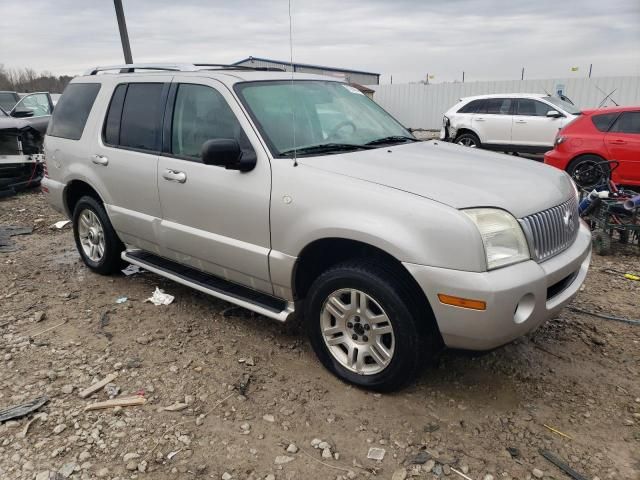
x=364 y=326
x=96 y=240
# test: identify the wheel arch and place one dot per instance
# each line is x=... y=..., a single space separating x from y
x=463 y=130
x=320 y=255
x=74 y=191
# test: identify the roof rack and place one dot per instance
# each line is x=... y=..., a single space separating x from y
x=175 y=67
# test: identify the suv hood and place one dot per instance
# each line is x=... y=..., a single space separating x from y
x=457 y=176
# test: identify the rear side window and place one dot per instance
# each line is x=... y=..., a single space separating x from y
x=134 y=119
x=603 y=122
x=472 y=107
x=73 y=108
x=532 y=108
x=498 y=106
x=628 y=122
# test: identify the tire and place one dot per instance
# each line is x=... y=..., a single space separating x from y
x=601 y=243
x=470 y=140
x=414 y=339
x=94 y=234
x=588 y=171
x=624 y=236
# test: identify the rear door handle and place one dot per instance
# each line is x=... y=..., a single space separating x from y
x=521 y=121
x=100 y=160
x=174 y=176
x=479 y=119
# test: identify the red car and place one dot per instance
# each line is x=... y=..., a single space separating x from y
x=584 y=146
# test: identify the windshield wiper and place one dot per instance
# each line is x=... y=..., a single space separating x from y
x=325 y=148
x=392 y=139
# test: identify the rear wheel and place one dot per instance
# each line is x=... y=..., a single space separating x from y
x=96 y=240
x=365 y=326
x=589 y=171
x=468 y=140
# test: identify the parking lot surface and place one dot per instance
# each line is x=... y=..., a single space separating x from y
x=248 y=399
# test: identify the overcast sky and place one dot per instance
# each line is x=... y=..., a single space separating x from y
x=488 y=39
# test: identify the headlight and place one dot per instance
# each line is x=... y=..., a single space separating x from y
x=502 y=236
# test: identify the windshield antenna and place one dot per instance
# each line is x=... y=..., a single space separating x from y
x=293 y=111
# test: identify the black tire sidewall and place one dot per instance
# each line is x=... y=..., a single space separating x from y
x=575 y=163
x=110 y=261
x=405 y=361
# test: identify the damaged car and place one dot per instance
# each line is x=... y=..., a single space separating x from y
x=22 y=131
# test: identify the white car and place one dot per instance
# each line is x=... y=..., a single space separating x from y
x=512 y=122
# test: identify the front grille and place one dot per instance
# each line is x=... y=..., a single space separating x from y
x=551 y=231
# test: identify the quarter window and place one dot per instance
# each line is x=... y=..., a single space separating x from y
x=603 y=122
x=200 y=114
x=628 y=122
x=72 y=110
x=532 y=108
x=472 y=107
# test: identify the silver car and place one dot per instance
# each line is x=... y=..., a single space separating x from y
x=296 y=194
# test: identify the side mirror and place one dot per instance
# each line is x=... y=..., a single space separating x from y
x=554 y=114
x=22 y=113
x=226 y=152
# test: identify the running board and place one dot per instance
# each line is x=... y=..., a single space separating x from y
x=245 y=297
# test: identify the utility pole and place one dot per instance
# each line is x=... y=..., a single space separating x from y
x=463 y=76
x=124 y=36
x=522 y=75
x=590 y=68
x=392 y=79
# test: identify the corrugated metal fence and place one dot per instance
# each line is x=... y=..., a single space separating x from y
x=422 y=106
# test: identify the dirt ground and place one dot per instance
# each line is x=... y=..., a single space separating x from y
x=254 y=402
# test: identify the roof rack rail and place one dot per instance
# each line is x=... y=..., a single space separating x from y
x=132 y=67
x=175 y=67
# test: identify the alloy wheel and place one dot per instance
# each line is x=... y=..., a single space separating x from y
x=357 y=331
x=91 y=234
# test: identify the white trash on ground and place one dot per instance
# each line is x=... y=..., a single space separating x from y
x=61 y=224
x=160 y=298
x=131 y=270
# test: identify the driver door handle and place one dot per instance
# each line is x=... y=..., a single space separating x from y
x=617 y=141
x=521 y=121
x=100 y=160
x=174 y=176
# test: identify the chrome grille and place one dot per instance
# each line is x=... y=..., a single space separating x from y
x=551 y=231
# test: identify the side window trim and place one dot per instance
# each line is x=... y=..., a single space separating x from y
x=167 y=127
x=159 y=134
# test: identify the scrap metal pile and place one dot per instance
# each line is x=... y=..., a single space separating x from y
x=611 y=210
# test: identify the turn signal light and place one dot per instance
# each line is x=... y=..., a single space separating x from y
x=462 y=302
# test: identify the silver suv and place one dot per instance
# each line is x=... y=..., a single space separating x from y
x=296 y=194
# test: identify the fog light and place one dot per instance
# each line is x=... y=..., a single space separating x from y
x=525 y=308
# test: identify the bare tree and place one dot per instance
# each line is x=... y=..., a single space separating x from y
x=28 y=80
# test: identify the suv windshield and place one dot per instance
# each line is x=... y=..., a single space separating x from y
x=318 y=117
x=566 y=106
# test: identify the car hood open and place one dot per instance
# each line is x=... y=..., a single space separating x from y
x=457 y=176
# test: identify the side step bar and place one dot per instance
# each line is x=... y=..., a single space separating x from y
x=245 y=297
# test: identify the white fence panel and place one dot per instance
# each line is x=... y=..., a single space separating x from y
x=422 y=106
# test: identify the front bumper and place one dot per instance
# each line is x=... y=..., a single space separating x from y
x=519 y=298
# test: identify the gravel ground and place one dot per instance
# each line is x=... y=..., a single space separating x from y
x=250 y=401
